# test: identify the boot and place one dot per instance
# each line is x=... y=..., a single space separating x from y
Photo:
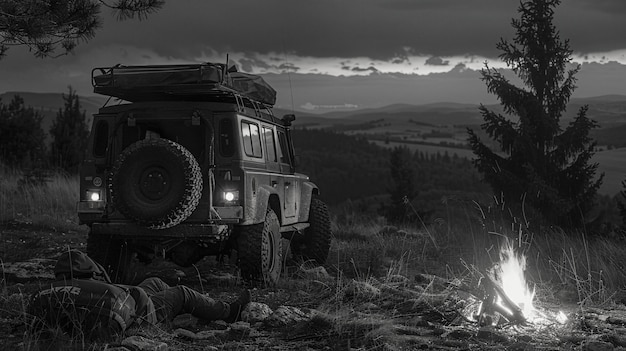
x=237 y=306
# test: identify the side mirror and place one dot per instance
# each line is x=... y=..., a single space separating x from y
x=287 y=119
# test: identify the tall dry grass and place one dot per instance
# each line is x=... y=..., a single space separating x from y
x=47 y=201
x=573 y=265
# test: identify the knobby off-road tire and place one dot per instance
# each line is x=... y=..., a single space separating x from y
x=259 y=250
x=156 y=182
x=114 y=254
x=314 y=245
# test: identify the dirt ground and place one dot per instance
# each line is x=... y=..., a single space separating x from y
x=403 y=313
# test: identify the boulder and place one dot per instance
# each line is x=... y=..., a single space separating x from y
x=256 y=312
x=287 y=315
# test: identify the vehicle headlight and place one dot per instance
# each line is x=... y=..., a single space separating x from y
x=230 y=196
x=94 y=195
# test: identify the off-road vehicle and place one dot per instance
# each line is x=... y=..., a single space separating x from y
x=191 y=162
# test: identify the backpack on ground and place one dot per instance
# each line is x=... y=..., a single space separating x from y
x=82 y=308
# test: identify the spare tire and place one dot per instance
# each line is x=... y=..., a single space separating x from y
x=156 y=182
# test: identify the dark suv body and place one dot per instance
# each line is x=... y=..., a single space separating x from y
x=191 y=163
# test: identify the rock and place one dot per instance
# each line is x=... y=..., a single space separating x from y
x=209 y=334
x=202 y=335
x=184 y=321
x=595 y=345
x=185 y=333
x=33 y=269
x=287 y=315
x=616 y=320
x=256 y=312
x=140 y=343
x=240 y=328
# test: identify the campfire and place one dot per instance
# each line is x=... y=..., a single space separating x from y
x=503 y=295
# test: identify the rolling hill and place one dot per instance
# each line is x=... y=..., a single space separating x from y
x=430 y=128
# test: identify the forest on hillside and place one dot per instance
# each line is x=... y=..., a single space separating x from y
x=350 y=170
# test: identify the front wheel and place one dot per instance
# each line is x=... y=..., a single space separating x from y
x=259 y=251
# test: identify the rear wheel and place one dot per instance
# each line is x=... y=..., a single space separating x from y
x=114 y=254
x=314 y=245
x=259 y=251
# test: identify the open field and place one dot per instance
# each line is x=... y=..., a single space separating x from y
x=388 y=288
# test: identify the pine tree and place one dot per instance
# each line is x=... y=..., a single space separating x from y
x=621 y=204
x=69 y=134
x=21 y=135
x=46 y=26
x=539 y=163
x=403 y=186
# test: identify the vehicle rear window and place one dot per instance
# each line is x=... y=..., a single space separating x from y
x=227 y=146
x=101 y=138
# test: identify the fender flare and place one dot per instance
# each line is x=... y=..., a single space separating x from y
x=307 y=192
x=255 y=211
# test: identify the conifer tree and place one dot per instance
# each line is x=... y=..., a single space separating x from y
x=21 y=135
x=69 y=134
x=403 y=186
x=46 y=26
x=539 y=163
x=621 y=204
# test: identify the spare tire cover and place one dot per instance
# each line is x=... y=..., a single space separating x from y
x=156 y=182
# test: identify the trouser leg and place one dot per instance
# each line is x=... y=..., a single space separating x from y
x=175 y=300
x=153 y=285
x=202 y=306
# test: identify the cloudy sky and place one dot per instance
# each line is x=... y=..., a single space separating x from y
x=324 y=54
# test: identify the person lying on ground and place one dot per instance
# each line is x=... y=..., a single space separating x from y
x=83 y=294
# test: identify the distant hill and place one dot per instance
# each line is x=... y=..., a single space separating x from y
x=608 y=110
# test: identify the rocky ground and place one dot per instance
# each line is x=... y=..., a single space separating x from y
x=308 y=310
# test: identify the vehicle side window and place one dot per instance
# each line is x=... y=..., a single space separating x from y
x=101 y=138
x=251 y=139
x=227 y=146
x=284 y=148
x=270 y=145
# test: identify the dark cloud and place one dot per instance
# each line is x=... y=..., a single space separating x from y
x=437 y=61
x=348 y=28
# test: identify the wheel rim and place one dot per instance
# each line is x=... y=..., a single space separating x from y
x=154 y=183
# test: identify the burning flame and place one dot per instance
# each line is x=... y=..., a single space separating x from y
x=509 y=274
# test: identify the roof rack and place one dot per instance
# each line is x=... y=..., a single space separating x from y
x=206 y=81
